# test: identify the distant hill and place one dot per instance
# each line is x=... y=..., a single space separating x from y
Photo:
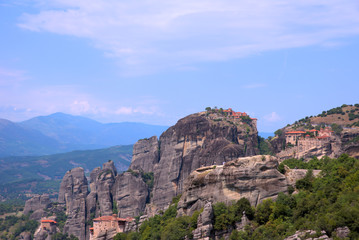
x=19 y=174
x=59 y=132
x=17 y=140
x=346 y=116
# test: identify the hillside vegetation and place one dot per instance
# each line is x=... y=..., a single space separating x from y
x=344 y=116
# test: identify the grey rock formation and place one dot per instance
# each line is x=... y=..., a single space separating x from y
x=255 y=178
x=104 y=184
x=198 y=140
x=25 y=236
x=130 y=193
x=342 y=232
x=145 y=154
x=110 y=165
x=348 y=143
x=73 y=192
x=244 y=222
x=293 y=175
x=99 y=202
x=37 y=203
x=307 y=235
x=204 y=224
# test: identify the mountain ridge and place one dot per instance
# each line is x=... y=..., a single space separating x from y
x=60 y=132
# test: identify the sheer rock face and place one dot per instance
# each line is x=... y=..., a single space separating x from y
x=130 y=193
x=349 y=143
x=104 y=183
x=100 y=200
x=255 y=178
x=73 y=192
x=198 y=140
x=36 y=204
x=145 y=154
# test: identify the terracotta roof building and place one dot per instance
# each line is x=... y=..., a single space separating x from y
x=104 y=224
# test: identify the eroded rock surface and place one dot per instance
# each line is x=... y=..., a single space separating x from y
x=145 y=154
x=204 y=224
x=130 y=193
x=198 y=140
x=308 y=235
x=37 y=202
x=293 y=175
x=73 y=192
x=255 y=178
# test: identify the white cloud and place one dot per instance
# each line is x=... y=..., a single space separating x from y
x=272 y=117
x=151 y=35
x=124 y=110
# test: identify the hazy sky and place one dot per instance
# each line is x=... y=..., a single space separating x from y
x=155 y=61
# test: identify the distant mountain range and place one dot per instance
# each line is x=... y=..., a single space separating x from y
x=59 y=132
x=38 y=174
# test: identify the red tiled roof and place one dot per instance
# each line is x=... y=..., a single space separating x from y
x=110 y=218
x=48 y=221
x=91 y=228
x=321 y=137
x=293 y=132
x=313 y=130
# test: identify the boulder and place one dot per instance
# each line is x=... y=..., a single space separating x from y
x=25 y=236
x=308 y=235
x=342 y=232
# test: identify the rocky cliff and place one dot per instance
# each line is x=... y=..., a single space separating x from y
x=145 y=154
x=255 y=178
x=131 y=194
x=36 y=205
x=73 y=192
x=200 y=139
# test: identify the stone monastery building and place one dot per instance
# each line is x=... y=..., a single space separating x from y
x=238 y=115
x=293 y=137
x=48 y=225
x=106 y=224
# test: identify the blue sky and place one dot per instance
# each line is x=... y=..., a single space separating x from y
x=156 y=61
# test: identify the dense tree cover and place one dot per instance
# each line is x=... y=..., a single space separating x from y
x=264 y=146
x=11 y=206
x=12 y=226
x=326 y=202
